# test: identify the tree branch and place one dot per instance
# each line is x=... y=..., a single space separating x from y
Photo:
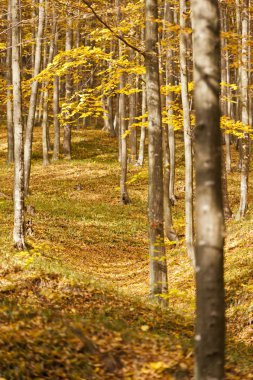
x=111 y=30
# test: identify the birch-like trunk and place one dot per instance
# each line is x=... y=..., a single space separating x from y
x=158 y=265
x=18 y=231
x=33 y=98
x=210 y=324
x=189 y=237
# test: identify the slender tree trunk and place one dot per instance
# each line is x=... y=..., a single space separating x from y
x=56 y=110
x=18 y=231
x=169 y=17
x=158 y=266
x=210 y=327
x=187 y=137
x=10 y=155
x=56 y=107
x=67 y=126
x=124 y=197
x=143 y=128
x=33 y=98
x=45 y=126
x=132 y=130
x=245 y=114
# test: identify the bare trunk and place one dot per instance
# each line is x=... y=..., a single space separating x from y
x=158 y=266
x=187 y=137
x=10 y=155
x=168 y=14
x=33 y=98
x=67 y=126
x=124 y=197
x=210 y=324
x=143 y=128
x=18 y=231
x=245 y=114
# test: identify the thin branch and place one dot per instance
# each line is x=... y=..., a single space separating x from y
x=111 y=30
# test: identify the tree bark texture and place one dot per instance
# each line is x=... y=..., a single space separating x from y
x=210 y=323
x=18 y=231
x=33 y=98
x=187 y=137
x=9 y=109
x=158 y=266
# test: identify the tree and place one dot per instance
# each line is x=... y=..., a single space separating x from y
x=18 y=232
x=245 y=152
x=158 y=266
x=210 y=324
x=33 y=97
x=187 y=136
x=9 y=109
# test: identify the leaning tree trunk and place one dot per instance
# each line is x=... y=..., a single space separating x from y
x=18 y=232
x=245 y=151
x=33 y=98
x=158 y=266
x=210 y=327
x=9 y=109
x=187 y=137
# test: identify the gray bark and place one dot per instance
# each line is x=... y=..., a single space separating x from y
x=10 y=131
x=33 y=98
x=189 y=237
x=69 y=84
x=210 y=324
x=158 y=266
x=143 y=128
x=18 y=231
x=245 y=151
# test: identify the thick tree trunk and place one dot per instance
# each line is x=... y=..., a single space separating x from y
x=245 y=151
x=210 y=327
x=189 y=237
x=18 y=231
x=33 y=98
x=9 y=109
x=158 y=266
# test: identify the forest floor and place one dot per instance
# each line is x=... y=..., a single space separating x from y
x=75 y=306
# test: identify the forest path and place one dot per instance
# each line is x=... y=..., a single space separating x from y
x=80 y=294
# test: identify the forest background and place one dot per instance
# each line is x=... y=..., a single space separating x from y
x=84 y=278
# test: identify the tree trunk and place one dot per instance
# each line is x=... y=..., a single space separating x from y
x=10 y=155
x=18 y=231
x=158 y=266
x=67 y=126
x=187 y=137
x=33 y=98
x=143 y=128
x=210 y=326
x=124 y=197
x=245 y=151
x=132 y=130
x=168 y=14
